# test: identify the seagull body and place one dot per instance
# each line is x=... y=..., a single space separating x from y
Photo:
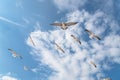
x=76 y=39
x=32 y=41
x=93 y=64
x=64 y=25
x=59 y=48
x=107 y=79
x=92 y=35
x=26 y=68
x=14 y=54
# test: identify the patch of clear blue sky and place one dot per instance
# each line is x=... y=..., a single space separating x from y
x=13 y=36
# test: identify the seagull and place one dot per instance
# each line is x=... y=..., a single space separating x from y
x=76 y=39
x=93 y=64
x=59 y=48
x=14 y=54
x=26 y=68
x=64 y=25
x=32 y=41
x=92 y=35
x=107 y=79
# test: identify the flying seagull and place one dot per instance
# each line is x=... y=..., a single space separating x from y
x=32 y=41
x=107 y=79
x=14 y=54
x=93 y=64
x=92 y=35
x=26 y=68
x=64 y=25
x=76 y=39
x=59 y=47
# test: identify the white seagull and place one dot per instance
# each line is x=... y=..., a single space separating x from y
x=77 y=39
x=32 y=41
x=59 y=47
x=64 y=25
x=92 y=35
x=14 y=54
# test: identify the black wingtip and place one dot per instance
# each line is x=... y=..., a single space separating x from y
x=86 y=30
x=9 y=49
x=76 y=22
x=71 y=35
x=99 y=38
x=51 y=24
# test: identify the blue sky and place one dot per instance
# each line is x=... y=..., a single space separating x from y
x=21 y=18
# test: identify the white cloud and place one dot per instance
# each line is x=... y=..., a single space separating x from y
x=8 y=78
x=75 y=63
x=69 y=4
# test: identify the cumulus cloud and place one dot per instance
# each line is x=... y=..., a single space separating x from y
x=69 y=4
x=8 y=78
x=75 y=63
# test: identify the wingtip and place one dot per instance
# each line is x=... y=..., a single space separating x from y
x=8 y=48
x=76 y=22
x=71 y=35
x=51 y=24
x=86 y=29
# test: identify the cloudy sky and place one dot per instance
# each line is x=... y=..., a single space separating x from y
x=20 y=19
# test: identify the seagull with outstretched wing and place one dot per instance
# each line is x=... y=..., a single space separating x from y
x=14 y=54
x=92 y=35
x=32 y=41
x=92 y=63
x=78 y=40
x=59 y=47
x=64 y=25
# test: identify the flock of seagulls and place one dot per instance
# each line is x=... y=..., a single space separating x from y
x=16 y=55
x=64 y=26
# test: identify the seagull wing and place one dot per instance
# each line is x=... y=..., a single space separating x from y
x=12 y=51
x=93 y=64
x=70 y=23
x=56 y=24
x=79 y=41
x=88 y=31
x=62 y=50
x=97 y=37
